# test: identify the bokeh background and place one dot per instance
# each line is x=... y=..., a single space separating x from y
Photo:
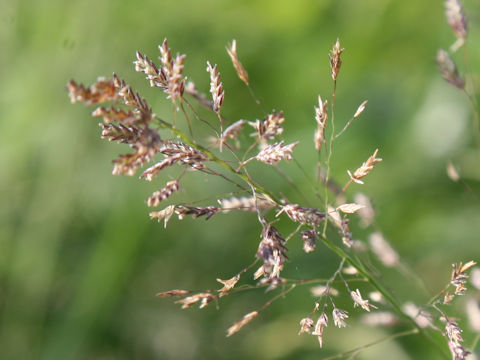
x=80 y=260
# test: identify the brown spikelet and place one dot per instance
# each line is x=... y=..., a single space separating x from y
x=228 y=284
x=196 y=212
x=366 y=167
x=302 y=215
x=103 y=90
x=449 y=70
x=272 y=250
x=459 y=276
x=203 y=298
x=158 y=196
x=120 y=133
x=241 y=72
x=321 y=116
x=173 y=293
x=335 y=60
x=115 y=115
x=241 y=323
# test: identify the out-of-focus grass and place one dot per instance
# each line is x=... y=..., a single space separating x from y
x=80 y=261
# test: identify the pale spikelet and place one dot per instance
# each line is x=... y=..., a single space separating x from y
x=366 y=167
x=260 y=272
x=201 y=98
x=246 y=203
x=376 y=296
x=452 y=172
x=272 y=154
x=272 y=251
x=306 y=326
x=449 y=70
x=475 y=278
x=228 y=284
x=350 y=208
x=321 y=290
x=156 y=77
x=320 y=325
x=164 y=193
x=473 y=313
x=453 y=332
x=456 y=18
x=239 y=324
x=203 y=298
x=231 y=132
x=350 y=270
x=385 y=253
x=367 y=213
x=458 y=351
x=270 y=127
x=241 y=72
x=448 y=298
x=339 y=317
x=321 y=116
x=379 y=318
x=421 y=317
x=308 y=237
x=335 y=61
x=216 y=87
x=173 y=293
x=358 y=301
x=164 y=214
x=307 y=216
x=459 y=276
x=360 y=109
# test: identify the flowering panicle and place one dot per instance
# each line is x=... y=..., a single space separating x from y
x=158 y=196
x=335 y=61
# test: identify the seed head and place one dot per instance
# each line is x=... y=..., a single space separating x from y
x=241 y=72
x=335 y=61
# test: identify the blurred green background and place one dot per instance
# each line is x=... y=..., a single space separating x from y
x=80 y=260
